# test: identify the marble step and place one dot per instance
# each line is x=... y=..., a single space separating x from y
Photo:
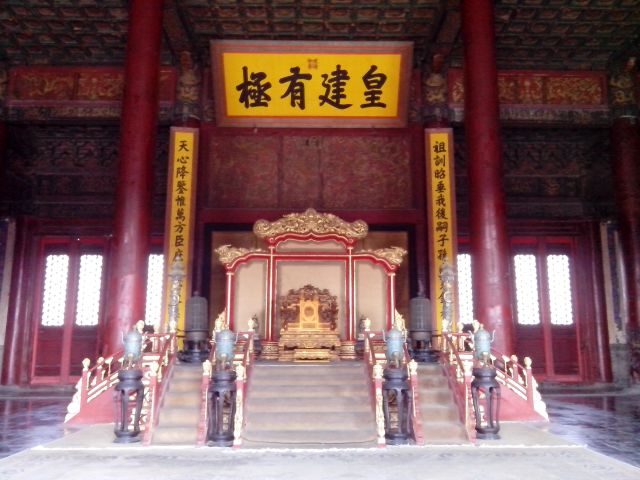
x=444 y=433
x=310 y=438
x=295 y=380
x=276 y=392
x=311 y=421
x=435 y=395
x=179 y=416
x=175 y=435
x=185 y=399
x=288 y=370
x=187 y=385
x=188 y=370
x=445 y=412
x=359 y=403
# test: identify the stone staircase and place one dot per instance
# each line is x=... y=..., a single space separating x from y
x=178 y=421
x=440 y=421
x=309 y=405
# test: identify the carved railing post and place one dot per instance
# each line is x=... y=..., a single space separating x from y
x=377 y=379
x=239 y=416
x=204 y=387
x=529 y=380
x=416 y=414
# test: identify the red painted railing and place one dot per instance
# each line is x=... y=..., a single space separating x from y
x=459 y=363
x=93 y=400
x=374 y=364
x=416 y=415
x=158 y=367
x=520 y=399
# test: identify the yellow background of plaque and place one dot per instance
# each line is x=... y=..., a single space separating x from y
x=276 y=66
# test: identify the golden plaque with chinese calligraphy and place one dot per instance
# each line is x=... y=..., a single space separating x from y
x=311 y=84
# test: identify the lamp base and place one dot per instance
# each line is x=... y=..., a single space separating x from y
x=193 y=356
x=487 y=435
x=426 y=355
x=126 y=437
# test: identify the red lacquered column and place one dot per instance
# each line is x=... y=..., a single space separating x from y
x=487 y=216
x=625 y=139
x=128 y=268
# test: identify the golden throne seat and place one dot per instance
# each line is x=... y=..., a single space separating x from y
x=308 y=319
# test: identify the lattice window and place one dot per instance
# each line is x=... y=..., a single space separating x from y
x=155 y=284
x=55 y=290
x=465 y=290
x=559 y=280
x=89 y=290
x=527 y=297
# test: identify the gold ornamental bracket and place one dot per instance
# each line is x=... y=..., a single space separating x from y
x=310 y=224
x=392 y=255
x=227 y=254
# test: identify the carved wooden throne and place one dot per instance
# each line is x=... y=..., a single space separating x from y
x=308 y=323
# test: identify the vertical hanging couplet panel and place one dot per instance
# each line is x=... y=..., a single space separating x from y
x=441 y=215
x=180 y=216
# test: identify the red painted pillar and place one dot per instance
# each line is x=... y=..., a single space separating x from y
x=625 y=140
x=128 y=268
x=487 y=216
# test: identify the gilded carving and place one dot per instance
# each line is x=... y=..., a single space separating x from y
x=220 y=322
x=188 y=92
x=311 y=222
x=531 y=90
x=538 y=89
x=574 y=91
x=36 y=86
x=435 y=85
x=100 y=86
x=622 y=89
x=227 y=254
x=393 y=255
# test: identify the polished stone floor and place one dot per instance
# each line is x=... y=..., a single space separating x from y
x=608 y=424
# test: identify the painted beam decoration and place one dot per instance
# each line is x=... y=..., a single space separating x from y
x=441 y=213
x=542 y=96
x=180 y=216
x=65 y=93
x=311 y=84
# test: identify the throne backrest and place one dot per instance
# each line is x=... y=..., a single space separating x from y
x=308 y=308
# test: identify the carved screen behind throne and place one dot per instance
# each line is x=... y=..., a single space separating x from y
x=317 y=249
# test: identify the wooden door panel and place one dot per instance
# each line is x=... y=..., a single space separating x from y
x=565 y=350
x=84 y=344
x=48 y=359
x=530 y=343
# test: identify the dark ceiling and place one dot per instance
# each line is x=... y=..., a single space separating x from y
x=530 y=34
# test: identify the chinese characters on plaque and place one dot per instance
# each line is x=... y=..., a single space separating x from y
x=179 y=225
x=442 y=222
x=332 y=84
x=255 y=86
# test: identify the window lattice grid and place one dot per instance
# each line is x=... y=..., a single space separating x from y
x=559 y=276
x=527 y=297
x=465 y=290
x=155 y=284
x=54 y=299
x=89 y=290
